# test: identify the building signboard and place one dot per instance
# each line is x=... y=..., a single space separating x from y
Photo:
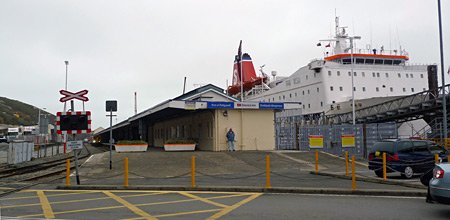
x=227 y=105
x=271 y=105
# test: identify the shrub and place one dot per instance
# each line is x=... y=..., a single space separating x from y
x=131 y=142
x=180 y=141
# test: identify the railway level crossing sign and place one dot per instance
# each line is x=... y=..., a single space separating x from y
x=73 y=122
x=69 y=95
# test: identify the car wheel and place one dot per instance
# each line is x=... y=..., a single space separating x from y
x=379 y=173
x=408 y=173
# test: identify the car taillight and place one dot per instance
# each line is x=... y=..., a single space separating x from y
x=393 y=157
x=438 y=173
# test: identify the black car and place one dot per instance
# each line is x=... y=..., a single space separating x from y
x=407 y=156
x=3 y=139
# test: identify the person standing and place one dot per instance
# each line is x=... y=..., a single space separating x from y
x=230 y=140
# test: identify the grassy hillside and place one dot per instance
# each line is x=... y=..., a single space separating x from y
x=14 y=112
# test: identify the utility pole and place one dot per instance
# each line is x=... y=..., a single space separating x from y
x=444 y=96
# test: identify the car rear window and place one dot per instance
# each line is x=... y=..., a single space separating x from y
x=383 y=146
x=436 y=149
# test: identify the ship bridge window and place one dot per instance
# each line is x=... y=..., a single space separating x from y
x=346 y=61
x=397 y=62
x=378 y=61
x=369 y=61
x=388 y=62
x=359 y=61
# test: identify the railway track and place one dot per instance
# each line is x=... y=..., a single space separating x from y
x=19 y=178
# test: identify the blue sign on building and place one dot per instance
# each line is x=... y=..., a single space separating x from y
x=220 y=105
x=271 y=105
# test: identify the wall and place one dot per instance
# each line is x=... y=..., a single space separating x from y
x=258 y=127
x=197 y=125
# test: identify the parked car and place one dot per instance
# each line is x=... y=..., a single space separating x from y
x=3 y=139
x=407 y=156
x=439 y=185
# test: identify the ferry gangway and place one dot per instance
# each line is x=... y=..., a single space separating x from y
x=407 y=108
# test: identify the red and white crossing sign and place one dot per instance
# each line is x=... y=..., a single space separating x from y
x=69 y=95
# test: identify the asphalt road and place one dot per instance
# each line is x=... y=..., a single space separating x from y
x=213 y=205
x=294 y=206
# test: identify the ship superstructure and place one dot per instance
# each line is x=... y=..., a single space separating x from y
x=326 y=84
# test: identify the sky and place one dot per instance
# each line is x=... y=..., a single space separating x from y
x=116 y=48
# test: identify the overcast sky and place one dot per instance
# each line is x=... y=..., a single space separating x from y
x=116 y=48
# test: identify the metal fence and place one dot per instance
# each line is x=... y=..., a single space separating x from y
x=293 y=134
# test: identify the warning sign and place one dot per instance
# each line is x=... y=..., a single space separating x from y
x=315 y=141
x=348 y=140
x=75 y=145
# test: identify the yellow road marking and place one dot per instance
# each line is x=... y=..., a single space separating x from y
x=79 y=200
x=130 y=206
x=187 y=213
x=233 y=207
x=136 y=191
x=75 y=211
x=202 y=199
x=5 y=188
x=179 y=213
x=46 y=207
x=227 y=209
x=28 y=197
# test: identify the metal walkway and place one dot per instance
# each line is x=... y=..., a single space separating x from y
x=407 y=108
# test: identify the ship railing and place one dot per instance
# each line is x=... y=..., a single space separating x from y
x=376 y=51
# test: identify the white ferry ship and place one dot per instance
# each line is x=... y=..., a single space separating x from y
x=325 y=85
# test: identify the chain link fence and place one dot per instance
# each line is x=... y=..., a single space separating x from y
x=292 y=134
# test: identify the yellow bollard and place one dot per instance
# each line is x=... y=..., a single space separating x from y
x=436 y=158
x=125 y=163
x=317 y=161
x=353 y=173
x=384 y=167
x=68 y=172
x=346 y=163
x=193 y=171
x=268 y=185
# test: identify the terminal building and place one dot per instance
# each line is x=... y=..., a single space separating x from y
x=204 y=115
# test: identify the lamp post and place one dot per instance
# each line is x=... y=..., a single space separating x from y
x=353 y=82
x=444 y=98
x=65 y=88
